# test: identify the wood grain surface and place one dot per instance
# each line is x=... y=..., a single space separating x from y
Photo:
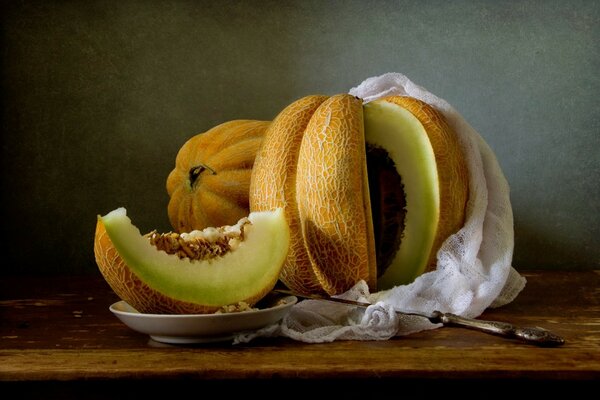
x=60 y=330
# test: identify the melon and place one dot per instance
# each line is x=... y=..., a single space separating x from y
x=195 y=272
x=371 y=191
x=426 y=156
x=210 y=181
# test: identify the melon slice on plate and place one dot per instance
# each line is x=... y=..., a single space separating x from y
x=235 y=265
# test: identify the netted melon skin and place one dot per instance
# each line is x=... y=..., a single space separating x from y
x=312 y=164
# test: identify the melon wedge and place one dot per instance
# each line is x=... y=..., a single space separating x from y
x=429 y=158
x=394 y=128
x=153 y=281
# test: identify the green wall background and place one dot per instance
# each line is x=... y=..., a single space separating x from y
x=98 y=96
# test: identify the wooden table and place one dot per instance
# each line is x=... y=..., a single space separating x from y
x=58 y=336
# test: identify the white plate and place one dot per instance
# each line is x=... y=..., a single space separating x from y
x=200 y=328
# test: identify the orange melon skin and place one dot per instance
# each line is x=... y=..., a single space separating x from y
x=130 y=288
x=219 y=194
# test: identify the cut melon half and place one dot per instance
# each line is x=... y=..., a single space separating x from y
x=397 y=131
x=155 y=281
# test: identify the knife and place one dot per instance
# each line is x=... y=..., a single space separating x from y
x=536 y=336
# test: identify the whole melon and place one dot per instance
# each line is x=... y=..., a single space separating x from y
x=210 y=183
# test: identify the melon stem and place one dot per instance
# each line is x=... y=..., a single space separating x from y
x=197 y=170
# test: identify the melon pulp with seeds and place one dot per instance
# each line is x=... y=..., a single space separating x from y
x=241 y=265
x=371 y=192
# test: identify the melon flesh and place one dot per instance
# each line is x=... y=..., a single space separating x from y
x=400 y=133
x=252 y=268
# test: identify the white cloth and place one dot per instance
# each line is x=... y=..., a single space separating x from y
x=473 y=270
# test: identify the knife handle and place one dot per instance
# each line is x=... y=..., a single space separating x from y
x=538 y=336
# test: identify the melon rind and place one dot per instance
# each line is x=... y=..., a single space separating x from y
x=273 y=185
x=400 y=133
x=238 y=275
x=333 y=198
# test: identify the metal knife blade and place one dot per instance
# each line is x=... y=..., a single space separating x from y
x=537 y=336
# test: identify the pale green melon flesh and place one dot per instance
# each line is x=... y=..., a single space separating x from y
x=236 y=276
x=396 y=130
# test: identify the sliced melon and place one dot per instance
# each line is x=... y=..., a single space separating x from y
x=395 y=129
x=378 y=211
x=155 y=281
